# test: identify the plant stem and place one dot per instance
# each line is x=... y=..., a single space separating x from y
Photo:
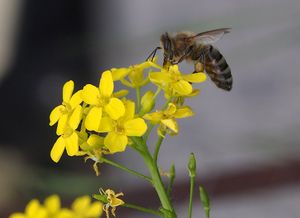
x=192 y=184
x=156 y=93
x=138 y=98
x=156 y=179
x=150 y=127
x=171 y=180
x=126 y=169
x=157 y=148
x=143 y=209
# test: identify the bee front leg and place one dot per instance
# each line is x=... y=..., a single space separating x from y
x=166 y=63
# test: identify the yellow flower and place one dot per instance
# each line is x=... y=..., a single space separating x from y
x=52 y=205
x=60 y=113
x=174 y=83
x=113 y=201
x=69 y=137
x=33 y=210
x=82 y=207
x=135 y=74
x=101 y=99
x=167 y=118
x=119 y=129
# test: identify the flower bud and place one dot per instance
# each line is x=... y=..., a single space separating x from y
x=205 y=201
x=192 y=165
x=147 y=102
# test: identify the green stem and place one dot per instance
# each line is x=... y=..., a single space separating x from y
x=166 y=104
x=156 y=179
x=138 y=98
x=192 y=184
x=156 y=93
x=126 y=169
x=142 y=209
x=172 y=178
x=157 y=148
x=150 y=127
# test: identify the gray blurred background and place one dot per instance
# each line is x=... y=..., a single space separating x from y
x=246 y=141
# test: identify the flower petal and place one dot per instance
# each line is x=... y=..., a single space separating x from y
x=183 y=112
x=154 y=117
x=68 y=90
x=72 y=144
x=115 y=142
x=95 y=140
x=106 y=85
x=194 y=93
x=171 y=109
x=121 y=93
x=119 y=73
x=52 y=204
x=93 y=119
x=135 y=127
x=32 y=208
x=159 y=78
x=17 y=215
x=106 y=124
x=129 y=110
x=57 y=149
x=75 y=118
x=81 y=204
x=90 y=94
x=62 y=123
x=115 y=108
x=195 y=77
x=182 y=87
x=55 y=114
x=95 y=210
x=76 y=99
x=171 y=124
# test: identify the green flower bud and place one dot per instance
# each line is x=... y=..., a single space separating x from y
x=101 y=197
x=205 y=201
x=192 y=165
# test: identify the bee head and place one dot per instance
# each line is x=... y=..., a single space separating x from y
x=166 y=44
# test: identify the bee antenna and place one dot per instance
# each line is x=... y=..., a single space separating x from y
x=153 y=53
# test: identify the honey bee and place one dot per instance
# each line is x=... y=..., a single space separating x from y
x=197 y=48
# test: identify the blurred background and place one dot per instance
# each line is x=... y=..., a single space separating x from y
x=246 y=141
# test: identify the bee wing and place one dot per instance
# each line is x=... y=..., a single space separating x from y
x=211 y=36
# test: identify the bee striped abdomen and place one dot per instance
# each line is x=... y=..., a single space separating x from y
x=217 y=68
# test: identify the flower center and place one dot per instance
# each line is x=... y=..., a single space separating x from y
x=67 y=108
x=119 y=128
x=68 y=132
x=102 y=101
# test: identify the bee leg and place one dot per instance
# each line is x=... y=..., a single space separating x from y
x=187 y=53
x=153 y=53
x=166 y=63
x=199 y=67
x=200 y=64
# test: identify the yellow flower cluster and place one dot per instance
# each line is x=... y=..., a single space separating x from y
x=82 y=207
x=99 y=110
x=97 y=120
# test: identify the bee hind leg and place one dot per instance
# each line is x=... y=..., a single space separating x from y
x=198 y=67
